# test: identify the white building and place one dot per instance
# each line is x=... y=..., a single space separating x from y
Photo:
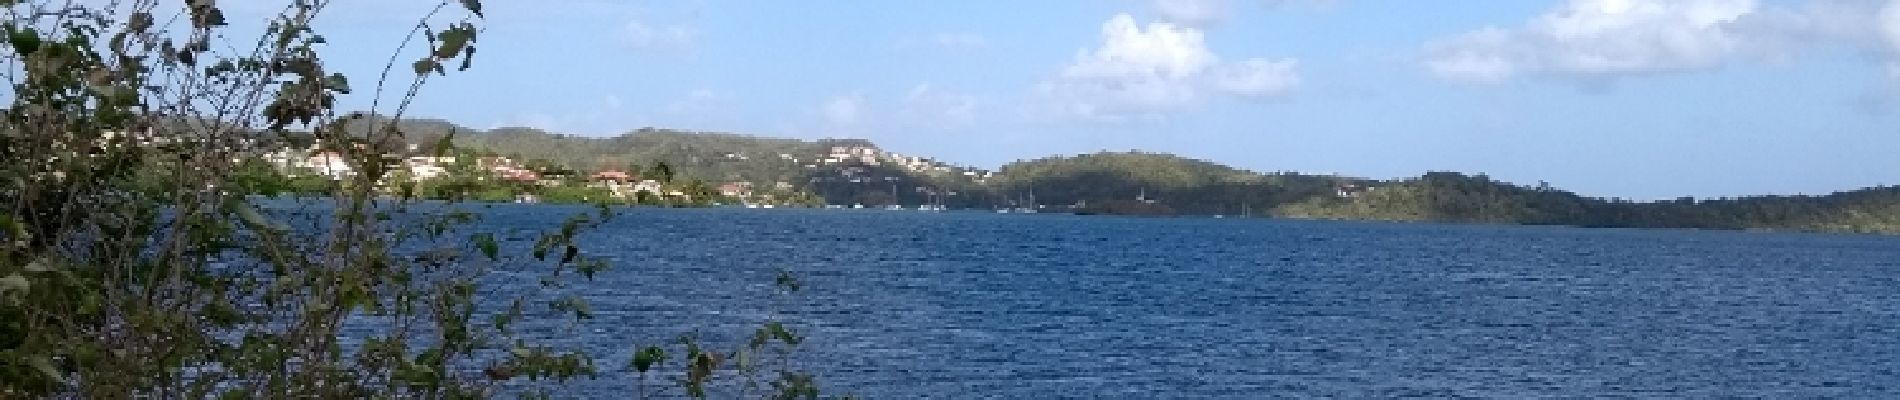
x=326 y=163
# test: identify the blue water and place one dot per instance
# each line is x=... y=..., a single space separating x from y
x=955 y=305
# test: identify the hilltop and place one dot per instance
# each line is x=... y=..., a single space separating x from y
x=1185 y=185
x=857 y=171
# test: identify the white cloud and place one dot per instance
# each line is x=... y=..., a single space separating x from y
x=1888 y=21
x=1193 y=12
x=931 y=106
x=646 y=35
x=1146 y=71
x=1258 y=77
x=845 y=110
x=957 y=40
x=1599 y=38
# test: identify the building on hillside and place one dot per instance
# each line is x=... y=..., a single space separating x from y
x=1352 y=190
x=649 y=186
x=516 y=175
x=735 y=189
x=613 y=176
x=494 y=162
x=282 y=158
x=426 y=168
x=617 y=182
x=330 y=164
x=423 y=172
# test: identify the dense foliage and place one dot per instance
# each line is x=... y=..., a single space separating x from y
x=135 y=264
x=1184 y=185
x=695 y=155
x=1453 y=197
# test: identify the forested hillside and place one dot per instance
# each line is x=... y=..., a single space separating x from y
x=1172 y=183
x=708 y=156
x=1185 y=185
x=1454 y=197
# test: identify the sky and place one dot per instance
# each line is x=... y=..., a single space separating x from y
x=1626 y=98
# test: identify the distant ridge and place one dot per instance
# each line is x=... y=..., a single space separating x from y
x=1183 y=185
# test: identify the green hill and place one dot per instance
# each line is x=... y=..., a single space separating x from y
x=1114 y=180
x=814 y=166
x=1454 y=197
x=1184 y=185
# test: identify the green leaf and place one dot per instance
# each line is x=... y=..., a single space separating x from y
x=504 y=319
x=447 y=142
x=644 y=359
x=474 y=6
x=337 y=83
x=12 y=227
x=581 y=310
x=453 y=41
x=248 y=213
x=784 y=335
x=590 y=267
x=486 y=242
x=787 y=281
x=138 y=23
x=423 y=66
x=25 y=41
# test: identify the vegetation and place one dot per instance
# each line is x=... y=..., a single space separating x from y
x=788 y=169
x=1159 y=184
x=691 y=155
x=134 y=263
x=1453 y=197
x=1182 y=185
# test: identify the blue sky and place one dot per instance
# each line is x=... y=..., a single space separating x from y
x=1631 y=98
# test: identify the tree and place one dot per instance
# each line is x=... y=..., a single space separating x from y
x=132 y=263
x=662 y=172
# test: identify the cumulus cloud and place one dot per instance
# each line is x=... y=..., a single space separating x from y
x=1157 y=68
x=1597 y=38
x=1888 y=21
x=1193 y=12
x=844 y=110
